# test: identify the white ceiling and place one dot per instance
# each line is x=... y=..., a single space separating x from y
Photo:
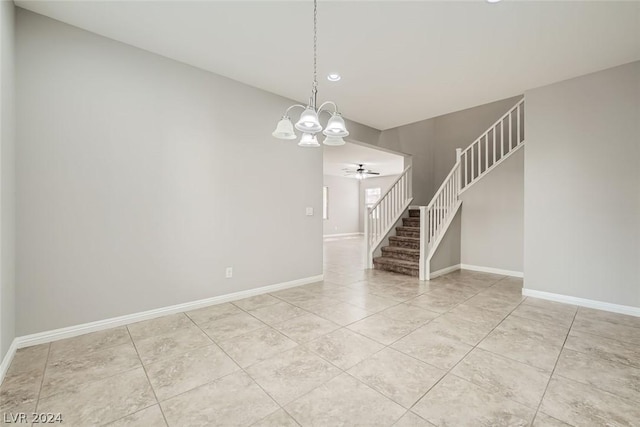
x=350 y=155
x=401 y=61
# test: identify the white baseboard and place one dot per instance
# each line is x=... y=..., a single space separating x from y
x=6 y=360
x=444 y=271
x=583 y=302
x=339 y=235
x=72 y=331
x=492 y=270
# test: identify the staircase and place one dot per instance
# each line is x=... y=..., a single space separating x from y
x=422 y=229
x=403 y=253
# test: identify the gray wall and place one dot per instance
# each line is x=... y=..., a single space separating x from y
x=447 y=254
x=582 y=187
x=382 y=182
x=343 y=205
x=7 y=182
x=140 y=179
x=433 y=142
x=493 y=217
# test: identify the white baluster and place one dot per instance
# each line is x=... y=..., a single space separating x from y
x=448 y=198
x=440 y=206
x=423 y=243
x=510 y=131
x=486 y=151
x=479 y=160
x=459 y=171
x=466 y=170
x=389 y=208
x=385 y=210
x=431 y=223
x=473 y=174
x=396 y=199
x=377 y=222
x=502 y=139
x=494 y=145
x=518 y=125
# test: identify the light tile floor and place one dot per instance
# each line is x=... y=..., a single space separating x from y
x=361 y=348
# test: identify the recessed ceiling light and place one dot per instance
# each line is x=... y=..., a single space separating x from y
x=493 y=1
x=334 y=77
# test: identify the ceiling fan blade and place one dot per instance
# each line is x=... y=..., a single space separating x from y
x=372 y=173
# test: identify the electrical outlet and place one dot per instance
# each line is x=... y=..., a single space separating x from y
x=228 y=272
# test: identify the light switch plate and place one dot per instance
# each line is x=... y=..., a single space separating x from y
x=309 y=211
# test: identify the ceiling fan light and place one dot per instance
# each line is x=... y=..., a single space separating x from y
x=284 y=129
x=336 y=126
x=334 y=141
x=308 y=140
x=309 y=122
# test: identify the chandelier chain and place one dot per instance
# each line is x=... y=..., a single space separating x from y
x=315 y=42
x=309 y=123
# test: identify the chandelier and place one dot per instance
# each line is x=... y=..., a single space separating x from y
x=309 y=122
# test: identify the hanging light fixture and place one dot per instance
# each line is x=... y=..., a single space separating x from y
x=309 y=122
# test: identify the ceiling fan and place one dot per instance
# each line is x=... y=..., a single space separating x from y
x=360 y=172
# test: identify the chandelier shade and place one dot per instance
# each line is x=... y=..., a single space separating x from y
x=334 y=141
x=284 y=130
x=308 y=140
x=309 y=122
x=336 y=126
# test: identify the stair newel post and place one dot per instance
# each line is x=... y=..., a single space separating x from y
x=459 y=173
x=423 y=268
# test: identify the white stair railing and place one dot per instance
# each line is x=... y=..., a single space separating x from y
x=436 y=216
x=382 y=216
x=496 y=144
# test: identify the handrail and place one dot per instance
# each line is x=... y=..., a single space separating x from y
x=404 y=172
x=494 y=145
x=385 y=212
x=471 y=164
x=490 y=128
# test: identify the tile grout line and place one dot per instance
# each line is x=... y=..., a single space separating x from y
x=303 y=345
x=244 y=371
x=388 y=346
x=599 y=357
x=144 y=369
x=466 y=354
x=44 y=372
x=437 y=317
x=413 y=330
x=555 y=366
